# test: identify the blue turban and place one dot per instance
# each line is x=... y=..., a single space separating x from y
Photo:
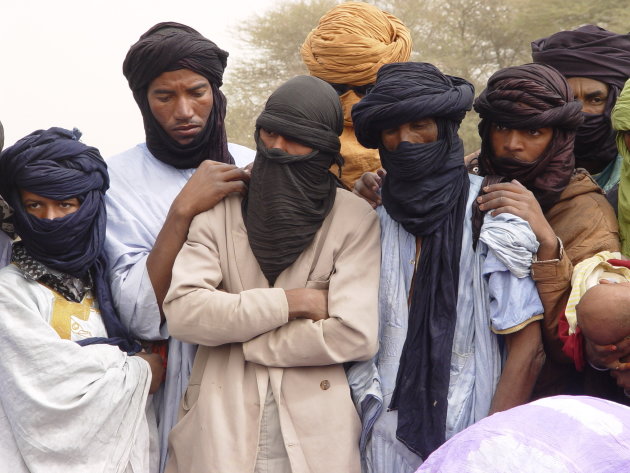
x=54 y=164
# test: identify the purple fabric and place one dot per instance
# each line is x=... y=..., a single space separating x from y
x=562 y=434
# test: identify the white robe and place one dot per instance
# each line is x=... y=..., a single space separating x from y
x=63 y=407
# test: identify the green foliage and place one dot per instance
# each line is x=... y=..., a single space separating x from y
x=466 y=38
x=273 y=40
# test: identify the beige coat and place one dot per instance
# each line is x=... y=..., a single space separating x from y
x=220 y=300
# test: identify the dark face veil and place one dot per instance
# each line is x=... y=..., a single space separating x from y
x=290 y=195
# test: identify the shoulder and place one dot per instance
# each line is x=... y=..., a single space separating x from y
x=241 y=154
x=351 y=208
x=14 y=285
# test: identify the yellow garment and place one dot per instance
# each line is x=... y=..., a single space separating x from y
x=587 y=274
x=357 y=159
x=352 y=41
x=620 y=118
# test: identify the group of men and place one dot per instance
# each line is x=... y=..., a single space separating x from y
x=297 y=329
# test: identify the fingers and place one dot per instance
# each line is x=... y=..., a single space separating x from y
x=381 y=173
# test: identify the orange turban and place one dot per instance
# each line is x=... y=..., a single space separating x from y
x=352 y=41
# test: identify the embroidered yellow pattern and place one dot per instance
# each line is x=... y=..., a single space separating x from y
x=66 y=316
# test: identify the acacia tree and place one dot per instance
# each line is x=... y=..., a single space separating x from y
x=273 y=40
x=466 y=38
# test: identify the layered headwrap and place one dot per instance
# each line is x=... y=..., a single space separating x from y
x=529 y=97
x=594 y=53
x=169 y=47
x=290 y=195
x=351 y=43
x=55 y=165
x=425 y=190
x=347 y=48
x=621 y=123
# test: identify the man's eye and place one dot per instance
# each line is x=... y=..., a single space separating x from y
x=162 y=98
x=534 y=132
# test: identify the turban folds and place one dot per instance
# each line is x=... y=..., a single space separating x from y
x=168 y=47
x=290 y=195
x=352 y=41
x=425 y=190
x=621 y=123
x=531 y=96
x=54 y=164
x=598 y=54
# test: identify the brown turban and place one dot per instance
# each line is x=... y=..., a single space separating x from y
x=352 y=41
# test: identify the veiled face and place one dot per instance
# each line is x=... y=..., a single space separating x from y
x=43 y=207
x=626 y=138
x=181 y=102
x=592 y=93
x=419 y=131
x=523 y=145
x=272 y=140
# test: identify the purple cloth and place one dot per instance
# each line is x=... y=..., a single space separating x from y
x=561 y=434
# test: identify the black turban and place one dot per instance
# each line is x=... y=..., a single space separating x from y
x=425 y=190
x=290 y=195
x=529 y=97
x=594 y=53
x=53 y=163
x=168 y=47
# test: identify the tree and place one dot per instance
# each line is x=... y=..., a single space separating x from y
x=465 y=38
x=273 y=40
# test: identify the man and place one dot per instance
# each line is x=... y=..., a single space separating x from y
x=72 y=398
x=346 y=49
x=528 y=122
x=453 y=304
x=5 y=213
x=279 y=289
x=185 y=167
x=596 y=63
x=621 y=124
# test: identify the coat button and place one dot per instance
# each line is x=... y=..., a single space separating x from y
x=324 y=384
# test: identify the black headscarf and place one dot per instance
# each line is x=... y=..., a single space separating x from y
x=290 y=195
x=594 y=53
x=426 y=189
x=168 y=47
x=529 y=97
x=54 y=164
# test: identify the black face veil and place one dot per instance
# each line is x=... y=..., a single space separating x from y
x=290 y=195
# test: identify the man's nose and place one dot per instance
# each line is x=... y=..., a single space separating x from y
x=513 y=141
x=183 y=109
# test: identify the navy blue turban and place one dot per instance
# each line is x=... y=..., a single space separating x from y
x=425 y=190
x=171 y=46
x=54 y=164
x=594 y=53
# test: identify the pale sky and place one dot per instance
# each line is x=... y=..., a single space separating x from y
x=62 y=61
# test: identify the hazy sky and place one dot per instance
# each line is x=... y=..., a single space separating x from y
x=62 y=61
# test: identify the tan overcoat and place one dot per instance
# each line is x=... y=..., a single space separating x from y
x=220 y=300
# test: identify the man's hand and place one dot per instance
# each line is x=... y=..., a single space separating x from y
x=307 y=303
x=209 y=184
x=157 y=369
x=513 y=197
x=608 y=356
x=369 y=185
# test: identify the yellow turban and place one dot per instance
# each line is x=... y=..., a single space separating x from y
x=352 y=41
x=620 y=117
